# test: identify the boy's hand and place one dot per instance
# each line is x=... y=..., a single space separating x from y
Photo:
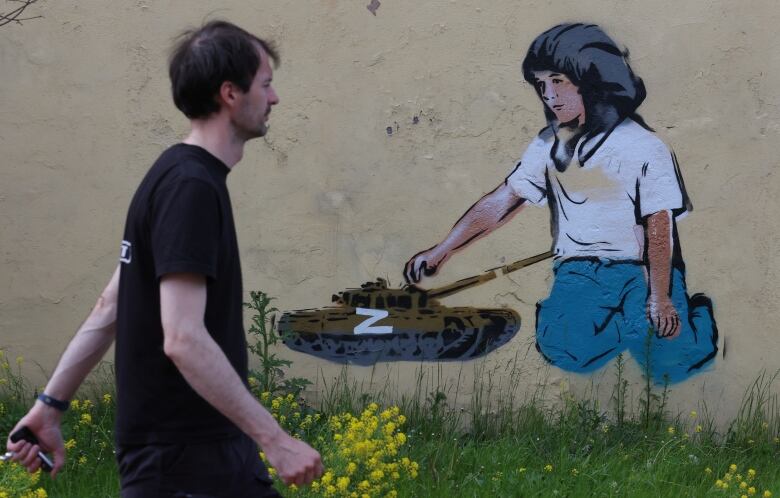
x=663 y=316
x=423 y=263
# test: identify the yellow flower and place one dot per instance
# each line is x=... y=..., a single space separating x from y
x=767 y=494
x=708 y=470
x=107 y=399
x=694 y=414
x=74 y=404
x=351 y=468
x=86 y=404
x=699 y=428
x=733 y=467
x=342 y=483
x=751 y=473
x=253 y=382
x=271 y=471
x=82 y=460
x=719 y=483
x=86 y=419
x=19 y=360
x=41 y=493
x=670 y=430
x=70 y=444
x=548 y=468
x=3 y=381
x=751 y=490
x=743 y=485
x=575 y=472
x=521 y=470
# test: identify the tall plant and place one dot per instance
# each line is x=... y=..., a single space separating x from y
x=271 y=375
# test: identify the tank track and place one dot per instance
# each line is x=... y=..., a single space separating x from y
x=452 y=344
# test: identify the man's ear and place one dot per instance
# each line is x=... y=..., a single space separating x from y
x=227 y=93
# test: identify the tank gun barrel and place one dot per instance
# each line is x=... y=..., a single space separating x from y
x=466 y=283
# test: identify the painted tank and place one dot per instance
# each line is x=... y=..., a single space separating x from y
x=378 y=323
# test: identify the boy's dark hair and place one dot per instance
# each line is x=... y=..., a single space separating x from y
x=204 y=58
x=592 y=61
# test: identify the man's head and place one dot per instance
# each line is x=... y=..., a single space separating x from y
x=223 y=67
x=592 y=62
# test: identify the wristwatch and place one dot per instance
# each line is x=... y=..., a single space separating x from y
x=53 y=402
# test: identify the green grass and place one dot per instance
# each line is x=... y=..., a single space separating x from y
x=497 y=445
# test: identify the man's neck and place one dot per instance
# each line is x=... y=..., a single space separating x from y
x=218 y=139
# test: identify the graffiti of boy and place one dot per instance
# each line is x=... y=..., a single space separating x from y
x=614 y=192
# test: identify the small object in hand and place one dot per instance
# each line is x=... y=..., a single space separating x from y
x=7 y=456
x=24 y=433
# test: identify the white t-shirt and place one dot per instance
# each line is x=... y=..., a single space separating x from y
x=597 y=207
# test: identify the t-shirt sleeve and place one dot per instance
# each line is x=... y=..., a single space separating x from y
x=528 y=178
x=660 y=184
x=185 y=229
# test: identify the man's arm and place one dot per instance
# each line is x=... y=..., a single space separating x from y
x=660 y=310
x=490 y=212
x=84 y=351
x=206 y=368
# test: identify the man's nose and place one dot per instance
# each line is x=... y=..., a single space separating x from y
x=549 y=94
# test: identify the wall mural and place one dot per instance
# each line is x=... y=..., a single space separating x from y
x=615 y=193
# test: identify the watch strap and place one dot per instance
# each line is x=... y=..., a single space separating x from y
x=53 y=402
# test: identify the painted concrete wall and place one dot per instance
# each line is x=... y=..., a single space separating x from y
x=330 y=199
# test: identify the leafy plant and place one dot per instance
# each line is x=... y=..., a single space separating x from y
x=271 y=375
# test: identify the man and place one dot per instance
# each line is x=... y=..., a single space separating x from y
x=614 y=192
x=186 y=423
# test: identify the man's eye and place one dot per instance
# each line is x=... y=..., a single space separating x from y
x=557 y=81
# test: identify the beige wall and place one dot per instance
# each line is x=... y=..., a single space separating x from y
x=329 y=200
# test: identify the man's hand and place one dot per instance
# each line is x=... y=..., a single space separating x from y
x=44 y=422
x=426 y=262
x=295 y=461
x=663 y=316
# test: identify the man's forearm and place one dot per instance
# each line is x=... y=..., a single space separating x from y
x=206 y=368
x=88 y=346
x=490 y=212
x=659 y=252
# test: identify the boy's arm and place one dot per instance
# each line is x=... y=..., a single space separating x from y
x=206 y=368
x=84 y=351
x=660 y=310
x=490 y=212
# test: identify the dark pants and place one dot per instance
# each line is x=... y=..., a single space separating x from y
x=222 y=469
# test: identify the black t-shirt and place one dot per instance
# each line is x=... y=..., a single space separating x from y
x=180 y=220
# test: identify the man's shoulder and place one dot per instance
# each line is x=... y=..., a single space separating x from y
x=181 y=163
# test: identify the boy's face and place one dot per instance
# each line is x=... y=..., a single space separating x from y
x=561 y=96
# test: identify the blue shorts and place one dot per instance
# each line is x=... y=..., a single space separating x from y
x=597 y=309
